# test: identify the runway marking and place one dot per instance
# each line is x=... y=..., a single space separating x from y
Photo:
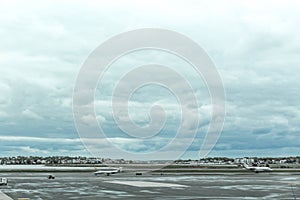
x=4 y=196
x=146 y=184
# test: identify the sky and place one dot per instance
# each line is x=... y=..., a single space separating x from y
x=255 y=46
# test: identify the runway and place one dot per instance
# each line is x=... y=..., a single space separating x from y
x=4 y=196
x=84 y=185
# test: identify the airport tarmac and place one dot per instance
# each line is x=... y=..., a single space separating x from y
x=84 y=185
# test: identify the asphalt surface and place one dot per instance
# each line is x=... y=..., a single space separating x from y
x=84 y=185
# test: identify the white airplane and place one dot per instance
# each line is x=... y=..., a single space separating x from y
x=257 y=169
x=108 y=170
x=3 y=181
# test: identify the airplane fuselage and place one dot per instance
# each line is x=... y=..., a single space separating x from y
x=257 y=169
x=107 y=171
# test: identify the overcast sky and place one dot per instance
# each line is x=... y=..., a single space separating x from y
x=255 y=46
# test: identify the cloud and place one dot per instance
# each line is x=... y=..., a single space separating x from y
x=24 y=145
x=255 y=47
x=3 y=115
x=30 y=114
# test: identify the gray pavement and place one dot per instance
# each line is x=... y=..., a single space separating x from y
x=4 y=196
x=152 y=186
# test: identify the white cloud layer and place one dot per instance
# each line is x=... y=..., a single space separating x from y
x=255 y=46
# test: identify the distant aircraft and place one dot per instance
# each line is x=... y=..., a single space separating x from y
x=108 y=171
x=257 y=169
x=3 y=181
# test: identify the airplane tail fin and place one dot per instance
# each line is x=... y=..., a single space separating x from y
x=120 y=169
x=245 y=166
